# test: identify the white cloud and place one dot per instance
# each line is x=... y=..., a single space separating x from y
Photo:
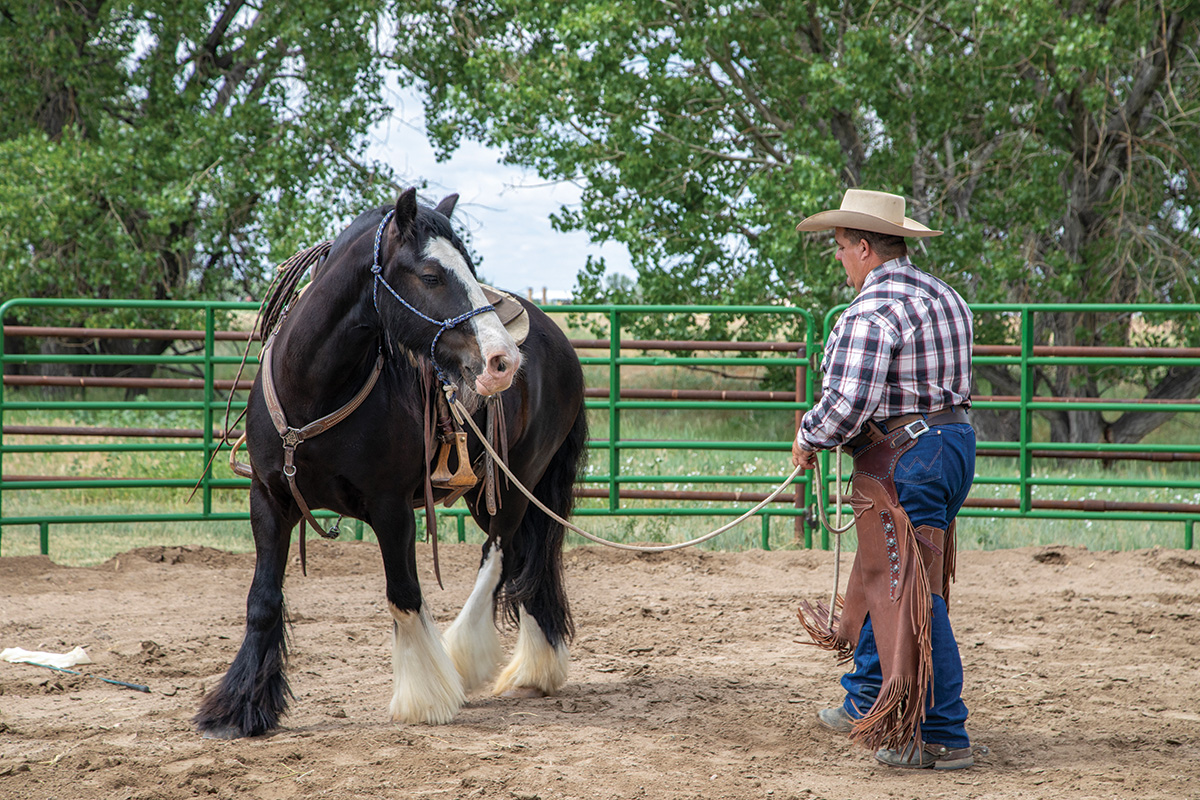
x=506 y=209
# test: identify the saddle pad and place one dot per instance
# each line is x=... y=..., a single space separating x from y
x=512 y=314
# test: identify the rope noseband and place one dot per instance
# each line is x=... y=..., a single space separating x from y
x=443 y=325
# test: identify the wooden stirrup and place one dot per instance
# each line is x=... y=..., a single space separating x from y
x=239 y=467
x=464 y=476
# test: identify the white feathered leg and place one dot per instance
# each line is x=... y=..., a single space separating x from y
x=536 y=667
x=426 y=688
x=472 y=640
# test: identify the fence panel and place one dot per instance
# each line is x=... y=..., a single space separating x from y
x=653 y=463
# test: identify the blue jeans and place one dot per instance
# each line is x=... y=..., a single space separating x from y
x=932 y=481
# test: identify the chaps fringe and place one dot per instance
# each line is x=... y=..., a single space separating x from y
x=823 y=635
x=894 y=721
x=949 y=562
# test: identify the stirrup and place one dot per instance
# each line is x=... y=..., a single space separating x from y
x=463 y=477
x=447 y=501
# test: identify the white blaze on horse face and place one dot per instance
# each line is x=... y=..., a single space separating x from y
x=501 y=358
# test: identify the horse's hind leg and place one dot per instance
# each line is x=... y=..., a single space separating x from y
x=533 y=590
x=254 y=693
x=534 y=595
x=426 y=687
x=472 y=640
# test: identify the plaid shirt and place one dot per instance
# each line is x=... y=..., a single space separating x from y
x=903 y=346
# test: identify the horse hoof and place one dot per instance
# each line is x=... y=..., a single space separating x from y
x=523 y=692
x=224 y=732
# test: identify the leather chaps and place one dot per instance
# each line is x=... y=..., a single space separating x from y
x=896 y=570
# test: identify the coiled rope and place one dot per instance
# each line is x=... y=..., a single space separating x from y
x=837 y=529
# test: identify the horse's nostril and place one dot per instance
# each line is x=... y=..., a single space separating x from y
x=502 y=366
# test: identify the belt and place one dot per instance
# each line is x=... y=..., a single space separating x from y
x=915 y=424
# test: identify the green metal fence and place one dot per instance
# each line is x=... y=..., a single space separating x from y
x=1029 y=356
x=54 y=418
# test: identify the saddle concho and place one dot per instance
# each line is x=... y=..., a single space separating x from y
x=516 y=321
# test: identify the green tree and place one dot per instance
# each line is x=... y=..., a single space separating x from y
x=175 y=150
x=1055 y=140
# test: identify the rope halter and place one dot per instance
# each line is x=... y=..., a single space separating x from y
x=443 y=325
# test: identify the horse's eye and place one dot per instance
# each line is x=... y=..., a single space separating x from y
x=431 y=280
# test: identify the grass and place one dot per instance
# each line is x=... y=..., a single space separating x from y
x=91 y=542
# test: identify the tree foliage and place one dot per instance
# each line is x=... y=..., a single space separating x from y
x=173 y=150
x=1056 y=141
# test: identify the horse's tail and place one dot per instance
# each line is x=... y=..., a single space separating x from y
x=536 y=581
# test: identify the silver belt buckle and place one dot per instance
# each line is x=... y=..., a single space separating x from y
x=910 y=428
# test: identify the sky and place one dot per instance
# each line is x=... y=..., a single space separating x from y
x=506 y=209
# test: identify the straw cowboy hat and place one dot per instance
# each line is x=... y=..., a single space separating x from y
x=863 y=210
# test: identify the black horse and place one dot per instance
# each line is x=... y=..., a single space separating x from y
x=391 y=283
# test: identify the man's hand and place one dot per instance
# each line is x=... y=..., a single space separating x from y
x=803 y=457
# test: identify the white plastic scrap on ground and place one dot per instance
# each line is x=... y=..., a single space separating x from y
x=19 y=655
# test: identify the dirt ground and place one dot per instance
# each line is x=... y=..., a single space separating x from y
x=688 y=680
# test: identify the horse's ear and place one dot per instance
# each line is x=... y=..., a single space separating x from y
x=446 y=207
x=406 y=212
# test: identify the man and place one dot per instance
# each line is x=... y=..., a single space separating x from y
x=896 y=391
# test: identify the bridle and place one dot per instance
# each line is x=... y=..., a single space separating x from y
x=443 y=325
x=293 y=437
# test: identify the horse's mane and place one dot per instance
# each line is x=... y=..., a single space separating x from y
x=432 y=224
x=288 y=275
x=279 y=295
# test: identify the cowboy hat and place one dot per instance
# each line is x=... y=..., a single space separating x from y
x=863 y=210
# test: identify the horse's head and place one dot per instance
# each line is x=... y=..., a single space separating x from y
x=426 y=265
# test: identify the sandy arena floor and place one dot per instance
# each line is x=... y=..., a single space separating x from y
x=687 y=681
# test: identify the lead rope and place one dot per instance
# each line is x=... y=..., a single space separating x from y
x=837 y=529
x=462 y=415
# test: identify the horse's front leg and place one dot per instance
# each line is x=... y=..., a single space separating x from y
x=426 y=687
x=254 y=692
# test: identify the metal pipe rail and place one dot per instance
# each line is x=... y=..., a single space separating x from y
x=616 y=484
x=124 y=333
x=84 y=382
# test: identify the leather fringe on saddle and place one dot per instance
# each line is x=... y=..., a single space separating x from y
x=896 y=569
x=428 y=387
x=497 y=431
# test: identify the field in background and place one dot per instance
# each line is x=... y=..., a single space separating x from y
x=93 y=543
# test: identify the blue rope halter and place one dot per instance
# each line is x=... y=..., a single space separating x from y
x=443 y=325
